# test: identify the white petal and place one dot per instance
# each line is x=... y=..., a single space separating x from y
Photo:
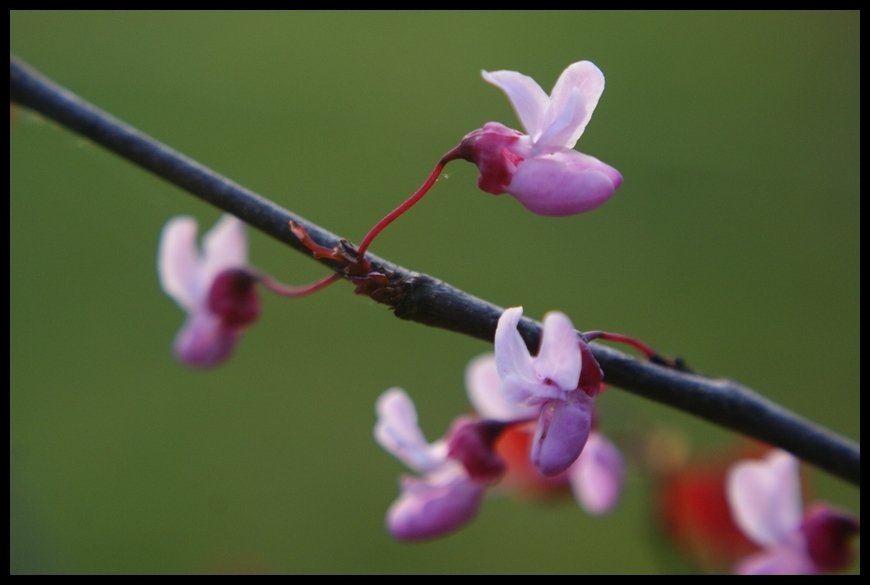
x=397 y=432
x=484 y=391
x=512 y=357
x=178 y=262
x=224 y=246
x=528 y=99
x=589 y=80
x=765 y=498
x=559 y=357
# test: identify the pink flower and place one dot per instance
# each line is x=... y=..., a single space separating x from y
x=540 y=168
x=596 y=476
x=456 y=470
x=765 y=501
x=214 y=287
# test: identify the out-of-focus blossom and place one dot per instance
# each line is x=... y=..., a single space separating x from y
x=765 y=500
x=691 y=508
x=540 y=168
x=554 y=383
x=214 y=287
x=596 y=476
x=456 y=470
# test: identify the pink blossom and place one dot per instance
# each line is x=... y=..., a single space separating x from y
x=765 y=500
x=214 y=287
x=540 y=168
x=554 y=381
x=456 y=470
x=596 y=476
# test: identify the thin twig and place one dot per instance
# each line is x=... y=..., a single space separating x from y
x=424 y=299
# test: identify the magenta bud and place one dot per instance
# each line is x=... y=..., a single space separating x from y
x=234 y=299
x=470 y=443
x=490 y=149
x=829 y=532
x=591 y=375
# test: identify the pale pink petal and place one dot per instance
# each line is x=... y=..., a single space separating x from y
x=224 y=246
x=559 y=357
x=528 y=99
x=765 y=498
x=529 y=394
x=203 y=341
x=560 y=132
x=435 y=505
x=598 y=475
x=484 y=392
x=777 y=561
x=512 y=357
x=588 y=79
x=397 y=431
x=563 y=183
x=178 y=263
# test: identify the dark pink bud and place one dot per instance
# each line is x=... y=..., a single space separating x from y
x=471 y=443
x=828 y=532
x=233 y=297
x=490 y=149
x=591 y=374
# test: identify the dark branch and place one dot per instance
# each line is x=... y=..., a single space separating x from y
x=421 y=298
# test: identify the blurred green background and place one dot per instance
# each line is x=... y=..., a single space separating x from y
x=734 y=242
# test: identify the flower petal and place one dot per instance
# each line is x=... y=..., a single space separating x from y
x=435 y=505
x=528 y=99
x=225 y=246
x=178 y=263
x=765 y=498
x=588 y=80
x=512 y=357
x=484 y=392
x=564 y=183
x=777 y=561
x=560 y=132
x=203 y=341
x=397 y=432
x=559 y=357
x=561 y=433
x=598 y=474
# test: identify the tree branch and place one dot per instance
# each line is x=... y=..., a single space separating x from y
x=424 y=299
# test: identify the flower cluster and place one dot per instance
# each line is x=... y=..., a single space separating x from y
x=507 y=390
x=543 y=405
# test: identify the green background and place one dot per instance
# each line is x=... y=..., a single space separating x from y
x=734 y=242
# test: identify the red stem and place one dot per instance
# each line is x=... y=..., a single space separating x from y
x=619 y=338
x=292 y=291
x=379 y=227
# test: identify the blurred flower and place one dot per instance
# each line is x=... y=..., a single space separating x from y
x=596 y=476
x=690 y=496
x=765 y=501
x=456 y=470
x=540 y=168
x=553 y=383
x=214 y=287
